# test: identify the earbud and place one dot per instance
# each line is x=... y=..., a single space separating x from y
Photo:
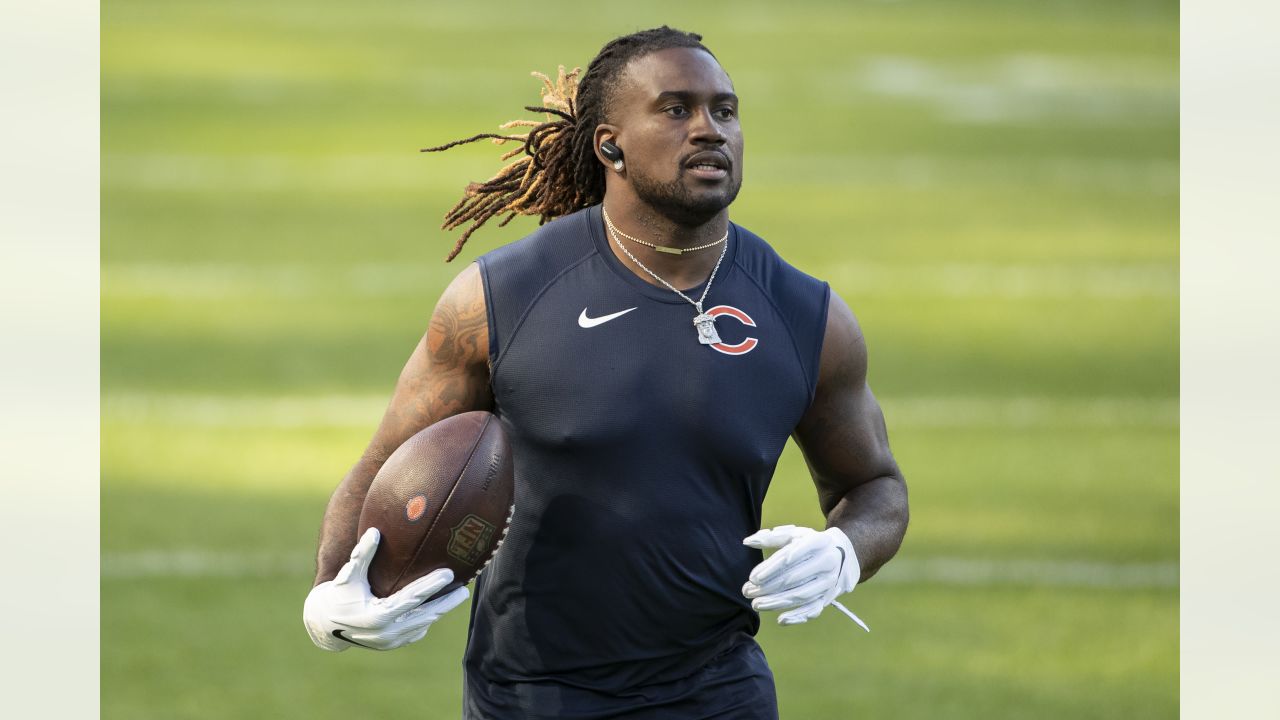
x=613 y=152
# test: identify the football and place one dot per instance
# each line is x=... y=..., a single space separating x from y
x=443 y=499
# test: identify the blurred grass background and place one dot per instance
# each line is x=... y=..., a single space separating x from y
x=991 y=185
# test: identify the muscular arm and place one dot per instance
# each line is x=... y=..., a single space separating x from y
x=447 y=374
x=844 y=441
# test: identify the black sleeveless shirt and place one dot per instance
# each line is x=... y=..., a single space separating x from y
x=642 y=457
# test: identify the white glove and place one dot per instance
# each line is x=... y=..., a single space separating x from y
x=343 y=612
x=805 y=575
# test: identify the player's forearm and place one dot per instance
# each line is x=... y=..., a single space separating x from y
x=874 y=515
x=342 y=519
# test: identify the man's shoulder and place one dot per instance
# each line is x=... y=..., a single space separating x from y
x=516 y=275
x=550 y=248
x=799 y=299
x=769 y=269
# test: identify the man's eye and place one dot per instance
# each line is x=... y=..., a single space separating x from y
x=677 y=111
x=726 y=113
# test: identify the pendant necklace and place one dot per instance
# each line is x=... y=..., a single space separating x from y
x=702 y=322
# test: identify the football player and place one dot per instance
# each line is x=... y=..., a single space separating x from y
x=649 y=359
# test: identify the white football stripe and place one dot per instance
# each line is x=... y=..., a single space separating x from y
x=1024 y=87
x=406 y=171
x=212 y=281
x=985 y=280
x=253 y=411
x=364 y=411
x=1029 y=412
x=1058 y=573
x=905 y=571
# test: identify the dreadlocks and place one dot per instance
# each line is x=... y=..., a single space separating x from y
x=559 y=172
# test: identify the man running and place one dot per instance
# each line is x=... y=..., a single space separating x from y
x=648 y=359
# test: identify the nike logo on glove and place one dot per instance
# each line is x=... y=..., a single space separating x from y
x=589 y=322
x=338 y=634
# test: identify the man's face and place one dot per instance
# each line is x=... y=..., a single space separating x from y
x=678 y=128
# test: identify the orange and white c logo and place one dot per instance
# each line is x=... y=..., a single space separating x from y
x=743 y=347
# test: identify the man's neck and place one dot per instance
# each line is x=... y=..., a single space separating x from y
x=642 y=222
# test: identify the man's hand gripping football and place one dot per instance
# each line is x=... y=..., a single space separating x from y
x=806 y=573
x=343 y=612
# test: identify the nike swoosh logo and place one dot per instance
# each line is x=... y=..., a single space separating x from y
x=338 y=634
x=589 y=322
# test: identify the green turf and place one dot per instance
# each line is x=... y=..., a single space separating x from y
x=992 y=185
x=201 y=648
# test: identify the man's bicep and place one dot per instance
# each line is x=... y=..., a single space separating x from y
x=843 y=435
x=448 y=371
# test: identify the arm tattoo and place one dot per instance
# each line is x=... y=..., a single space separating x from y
x=447 y=374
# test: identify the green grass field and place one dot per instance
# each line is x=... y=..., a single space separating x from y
x=993 y=186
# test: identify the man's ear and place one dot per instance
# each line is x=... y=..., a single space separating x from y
x=604 y=132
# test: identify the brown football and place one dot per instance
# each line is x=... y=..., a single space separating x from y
x=443 y=499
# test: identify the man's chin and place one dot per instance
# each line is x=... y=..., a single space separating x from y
x=709 y=202
x=693 y=213
x=689 y=203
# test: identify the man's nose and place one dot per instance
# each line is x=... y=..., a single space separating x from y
x=704 y=129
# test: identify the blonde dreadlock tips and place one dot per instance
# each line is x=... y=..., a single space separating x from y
x=541 y=183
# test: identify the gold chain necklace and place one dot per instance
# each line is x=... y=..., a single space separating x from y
x=668 y=249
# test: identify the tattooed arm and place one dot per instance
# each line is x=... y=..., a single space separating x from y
x=447 y=374
x=844 y=441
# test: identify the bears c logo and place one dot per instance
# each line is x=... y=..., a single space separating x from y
x=743 y=347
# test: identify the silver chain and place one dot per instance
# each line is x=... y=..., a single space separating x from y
x=613 y=232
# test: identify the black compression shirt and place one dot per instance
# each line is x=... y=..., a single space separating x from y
x=642 y=458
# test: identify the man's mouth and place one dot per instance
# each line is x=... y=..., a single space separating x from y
x=709 y=165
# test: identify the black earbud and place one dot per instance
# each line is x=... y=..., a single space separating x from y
x=611 y=151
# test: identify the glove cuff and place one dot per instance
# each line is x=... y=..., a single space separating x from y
x=316 y=626
x=850 y=570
